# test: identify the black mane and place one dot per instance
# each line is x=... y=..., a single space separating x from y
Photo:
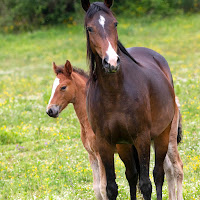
x=123 y=49
x=94 y=8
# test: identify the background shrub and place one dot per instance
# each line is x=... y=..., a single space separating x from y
x=25 y=15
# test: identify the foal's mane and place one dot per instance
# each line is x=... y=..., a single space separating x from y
x=94 y=8
x=79 y=71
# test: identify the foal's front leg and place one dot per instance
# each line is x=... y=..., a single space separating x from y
x=142 y=144
x=96 y=176
x=106 y=152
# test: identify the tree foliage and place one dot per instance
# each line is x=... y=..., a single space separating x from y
x=27 y=14
x=24 y=14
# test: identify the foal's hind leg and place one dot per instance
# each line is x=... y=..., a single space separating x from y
x=174 y=156
x=126 y=154
x=169 y=171
x=177 y=167
x=161 y=146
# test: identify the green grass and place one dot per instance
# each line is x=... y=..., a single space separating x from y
x=43 y=158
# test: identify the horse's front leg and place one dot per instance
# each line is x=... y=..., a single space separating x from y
x=126 y=153
x=106 y=152
x=142 y=144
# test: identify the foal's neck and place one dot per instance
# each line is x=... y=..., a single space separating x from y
x=80 y=101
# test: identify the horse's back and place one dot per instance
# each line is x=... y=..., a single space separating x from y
x=150 y=58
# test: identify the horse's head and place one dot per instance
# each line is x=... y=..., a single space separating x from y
x=63 y=90
x=101 y=29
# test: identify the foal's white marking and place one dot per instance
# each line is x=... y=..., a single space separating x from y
x=177 y=102
x=55 y=85
x=112 y=55
x=102 y=21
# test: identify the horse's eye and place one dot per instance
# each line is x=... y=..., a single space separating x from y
x=116 y=23
x=90 y=29
x=63 y=88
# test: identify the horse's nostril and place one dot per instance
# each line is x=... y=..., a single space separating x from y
x=118 y=61
x=50 y=112
x=105 y=62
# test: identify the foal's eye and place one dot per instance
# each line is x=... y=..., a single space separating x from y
x=116 y=23
x=89 y=29
x=63 y=88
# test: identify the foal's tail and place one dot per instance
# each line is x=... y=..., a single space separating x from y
x=179 y=135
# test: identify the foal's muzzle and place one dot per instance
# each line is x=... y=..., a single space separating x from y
x=110 y=68
x=53 y=111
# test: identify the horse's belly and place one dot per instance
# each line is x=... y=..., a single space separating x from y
x=162 y=115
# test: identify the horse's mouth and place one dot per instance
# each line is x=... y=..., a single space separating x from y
x=111 y=69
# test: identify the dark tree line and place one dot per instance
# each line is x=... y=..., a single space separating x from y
x=27 y=14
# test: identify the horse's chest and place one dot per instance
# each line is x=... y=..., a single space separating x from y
x=118 y=121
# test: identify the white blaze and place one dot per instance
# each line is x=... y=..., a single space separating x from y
x=55 y=85
x=112 y=55
x=102 y=21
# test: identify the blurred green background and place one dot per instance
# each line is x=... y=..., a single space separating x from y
x=43 y=158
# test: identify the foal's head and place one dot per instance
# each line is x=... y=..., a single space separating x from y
x=63 y=91
x=101 y=30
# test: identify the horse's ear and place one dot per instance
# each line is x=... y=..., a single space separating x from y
x=68 y=68
x=54 y=68
x=85 y=4
x=108 y=3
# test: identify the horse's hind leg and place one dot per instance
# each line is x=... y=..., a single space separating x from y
x=169 y=171
x=96 y=176
x=161 y=146
x=127 y=156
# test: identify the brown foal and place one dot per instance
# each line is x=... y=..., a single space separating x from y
x=70 y=87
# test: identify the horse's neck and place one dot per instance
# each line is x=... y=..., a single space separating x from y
x=80 y=102
x=108 y=81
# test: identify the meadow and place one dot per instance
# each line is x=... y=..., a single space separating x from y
x=43 y=158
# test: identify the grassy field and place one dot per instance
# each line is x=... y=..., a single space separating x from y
x=43 y=158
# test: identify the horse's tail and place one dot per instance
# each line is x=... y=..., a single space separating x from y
x=179 y=135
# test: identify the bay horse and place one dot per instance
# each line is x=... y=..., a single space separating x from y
x=70 y=87
x=129 y=101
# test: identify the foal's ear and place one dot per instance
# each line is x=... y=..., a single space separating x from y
x=68 y=68
x=85 y=4
x=54 y=68
x=108 y=3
